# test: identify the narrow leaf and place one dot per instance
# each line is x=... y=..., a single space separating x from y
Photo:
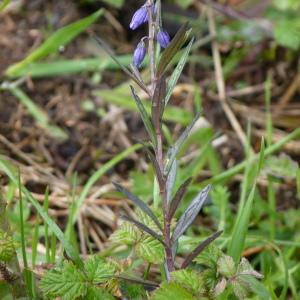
x=137 y=201
x=123 y=68
x=200 y=248
x=137 y=280
x=61 y=37
x=178 y=197
x=158 y=102
x=145 y=117
x=172 y=49
x=190 y=214
x=174 y=151
x=144 y=228
x=171 y=180
x=177 y=72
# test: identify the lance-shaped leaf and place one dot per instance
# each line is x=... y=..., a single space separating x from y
x=190 y=214
x=159 y=176
x=137 y=201
x=173 y=151
x=171 y=179
x=177 y=72
x=158 y=102
x=178 y=197
x=200 y=248
x=137 y=280
x=137 y=80
x=145 y=117
x=144 y=228
x=175 y=45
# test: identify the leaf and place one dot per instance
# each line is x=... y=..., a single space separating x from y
x=123 y=68
x=150 y=250
x=158 y=104
x=209 y=257
x=226 y=266
x=171 y=179
x=190 y=279
x=220 y=287
x=173 y=151
x=177 y=72
x=138 y=202
x=98 y=270
x=178 y=197
x=245 y=268
x=132 y=291
x=145 y=117
x=240 y=288
x=200 y=248
x=61 y=37
x=172 y=290
x=287 y=33
x=97 y=293
x=172 y=49
x=190 y=214
x=68 y=282
x=126 y=234
x=144 y=228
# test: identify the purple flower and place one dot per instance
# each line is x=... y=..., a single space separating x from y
x=139 y=18
x=163 y=38
x=139 y=54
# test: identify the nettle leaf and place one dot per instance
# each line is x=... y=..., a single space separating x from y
x=220 y=287
x=7 y=247
x=226 y=266
x=190 y=213
x=98 y=270
x=172 y=290
x=150 y=250
x=145 y=116
x=126 y=234
x=97 y=293
x=138 y=202
x=209 y=257
x=175 y=45
x=67 y=282
x=177 y=72
x=241 y=287
x=173 y=151
x=132 y=291
x=190 y=279
x=245 y=268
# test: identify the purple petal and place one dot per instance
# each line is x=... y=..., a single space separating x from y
x=139 y=18
x=163 y=38
x=139 y=54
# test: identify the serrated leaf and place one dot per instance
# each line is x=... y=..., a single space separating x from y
x=150 y=250
x=126 y=234
x=144 y=115
x=144 y=228
x=245 y=268
x=190 y=213
x=138 y=202
x=220 y=287
x=209 y=256
x=173 y=151
x=172 y=49
x=226 y=266
x=177 y=72
x=68 y=282
x=241 y=288
x=132 y=291
x=172 y=290
x=98 y=270
x=190 y=279
x=178 y=197
x=200 y=248
x=97 y=293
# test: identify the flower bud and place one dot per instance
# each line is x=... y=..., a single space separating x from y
x=163 y=38
x=139 y=18
x=139 y=54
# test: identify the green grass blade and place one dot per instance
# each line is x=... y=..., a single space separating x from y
x=75 y=66
x=38 y=114
x=98 y=174
x=60 y=38
x=73 y=254
x=35 y=241
x=172 y=113
x=46 y=206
